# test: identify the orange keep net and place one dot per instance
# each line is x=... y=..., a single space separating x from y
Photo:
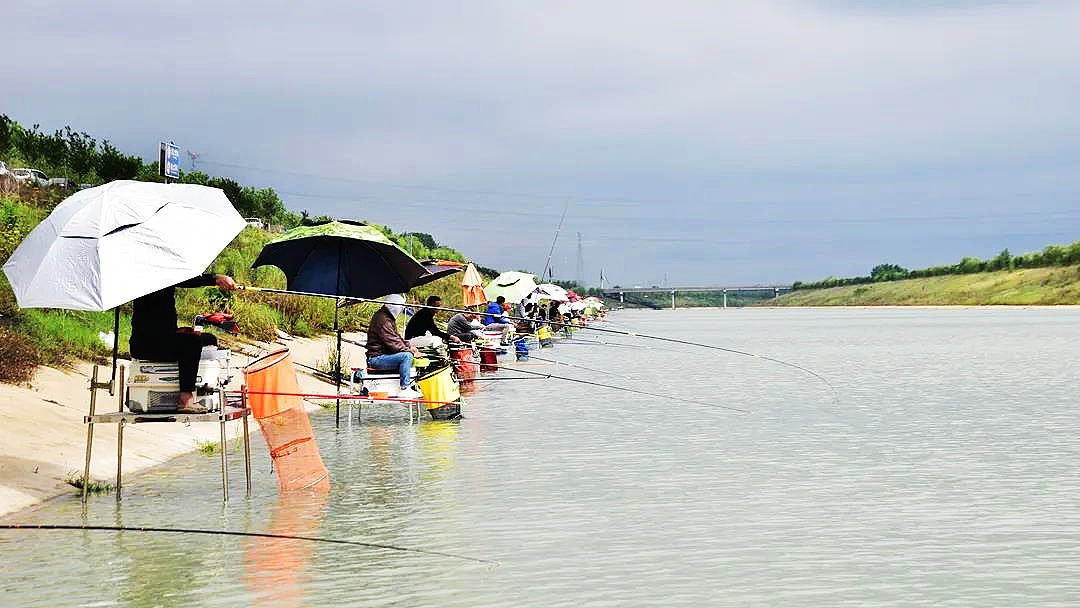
x=275 y=403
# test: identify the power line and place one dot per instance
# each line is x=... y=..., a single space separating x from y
x=389 y=184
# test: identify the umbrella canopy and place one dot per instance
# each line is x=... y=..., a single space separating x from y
x=514 y=286
x=438 y=269
x=472 y=287
x=549 y=291
x=342 y=259
x=104 y=246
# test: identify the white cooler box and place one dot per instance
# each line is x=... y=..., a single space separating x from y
x=153 y=387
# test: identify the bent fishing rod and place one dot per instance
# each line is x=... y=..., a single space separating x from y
x=314 y=539
x=589 y=327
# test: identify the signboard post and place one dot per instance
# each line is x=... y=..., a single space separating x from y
x=169 y=161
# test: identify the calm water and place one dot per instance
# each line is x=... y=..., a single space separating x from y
x=941 y=471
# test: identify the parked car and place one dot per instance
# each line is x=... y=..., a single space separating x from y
x=255 y=222
x=32 y=176
x=64 y=183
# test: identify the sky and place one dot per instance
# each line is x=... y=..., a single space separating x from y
x=677 y=143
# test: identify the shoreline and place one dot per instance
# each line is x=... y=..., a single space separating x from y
x=43 y=436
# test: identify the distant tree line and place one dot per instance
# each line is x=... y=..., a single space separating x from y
x=1052 y=255
x=80 y=157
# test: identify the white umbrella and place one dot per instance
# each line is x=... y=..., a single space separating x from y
x=549 y=291
x=108 y=245
x=512 y=285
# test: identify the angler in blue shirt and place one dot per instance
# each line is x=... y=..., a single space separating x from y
x=494 y=320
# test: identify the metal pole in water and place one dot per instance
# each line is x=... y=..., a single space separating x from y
x=725 y=298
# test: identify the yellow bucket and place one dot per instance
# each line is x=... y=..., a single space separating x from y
x=439 y=389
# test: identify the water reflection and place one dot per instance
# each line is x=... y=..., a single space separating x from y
x=945 y=476
x=277 y=569
x=438 y=444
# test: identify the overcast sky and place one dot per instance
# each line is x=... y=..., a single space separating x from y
x=690 y=143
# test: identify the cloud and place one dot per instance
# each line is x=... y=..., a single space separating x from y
x=682 y=120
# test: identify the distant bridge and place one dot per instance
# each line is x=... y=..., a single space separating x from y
x=622 y=292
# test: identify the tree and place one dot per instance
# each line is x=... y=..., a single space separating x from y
x=888 y=272
x=114 y=165
x=1002 y=261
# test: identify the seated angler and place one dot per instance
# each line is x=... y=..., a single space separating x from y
x=386 y=349
x=423 y=322
x=465 y=326
x=155 y=337
x=494 y=319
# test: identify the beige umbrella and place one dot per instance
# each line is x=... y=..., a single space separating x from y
x=472 y=287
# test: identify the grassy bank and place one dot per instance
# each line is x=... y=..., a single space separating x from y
x=30 y=337
x=1030 y=287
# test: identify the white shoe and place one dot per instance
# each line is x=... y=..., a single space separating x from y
x=410 y=395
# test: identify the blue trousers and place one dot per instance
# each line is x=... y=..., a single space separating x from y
x=400 y=361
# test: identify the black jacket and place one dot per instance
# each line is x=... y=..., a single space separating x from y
x=153 y=316
x=424 y=321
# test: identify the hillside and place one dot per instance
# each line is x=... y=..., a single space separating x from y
x=1029 y=286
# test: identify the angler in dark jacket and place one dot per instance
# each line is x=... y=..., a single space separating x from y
x=154 y=335
x=386 y=349
x=424 y=321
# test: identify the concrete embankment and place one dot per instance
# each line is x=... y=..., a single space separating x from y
x=43 y=436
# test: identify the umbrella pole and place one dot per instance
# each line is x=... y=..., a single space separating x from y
x=115 y=349
x=337 y=402
x=337 y=376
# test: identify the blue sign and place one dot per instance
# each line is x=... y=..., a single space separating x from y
x=170 y=152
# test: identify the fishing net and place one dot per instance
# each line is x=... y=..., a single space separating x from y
x=273 y=395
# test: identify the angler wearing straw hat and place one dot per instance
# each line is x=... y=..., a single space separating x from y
x=386 y=349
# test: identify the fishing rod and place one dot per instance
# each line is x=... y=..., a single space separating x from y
x=314 y=539
x=547 y=264
x=623 y=388
x=590 y=369
x=589 y=327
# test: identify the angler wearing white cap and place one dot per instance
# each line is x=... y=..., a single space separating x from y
x=386 y=349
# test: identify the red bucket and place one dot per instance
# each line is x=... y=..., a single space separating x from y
x=489 y=361
x=465 y=366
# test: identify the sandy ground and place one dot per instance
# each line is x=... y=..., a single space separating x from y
x=43 y=436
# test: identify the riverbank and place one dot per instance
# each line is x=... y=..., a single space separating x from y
x=43 y=437
x=1026 y=287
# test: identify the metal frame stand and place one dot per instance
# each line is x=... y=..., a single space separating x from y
x=120 y=417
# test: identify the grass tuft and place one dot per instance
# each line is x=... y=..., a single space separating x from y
x=75 y=478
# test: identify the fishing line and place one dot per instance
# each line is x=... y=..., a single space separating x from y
x=727 y=350
x=599 y=371
x=811 y=372
x=342 y=396
x=314 y=539
x=623 y=388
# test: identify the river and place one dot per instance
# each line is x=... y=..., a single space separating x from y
x=928 y=459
